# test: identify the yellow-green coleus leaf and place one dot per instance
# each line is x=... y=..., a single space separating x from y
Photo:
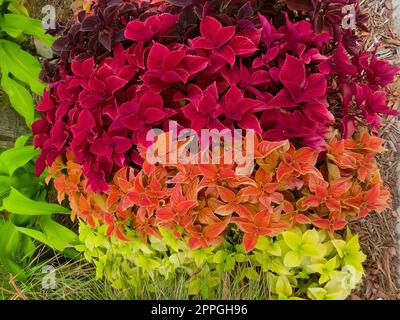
x=283 y=286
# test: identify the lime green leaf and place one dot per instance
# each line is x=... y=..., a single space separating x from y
x=17 y=8
x=22 y=140
x=19 y=204
x=35 y=234
x=28 y=246
x=292 y=240
x=353 y=243
x=316 y=293
x=292 y=259
x=22 y=65
x=20 y=98
x=252 y=274
x=9 y=246
x=4 y=185
x=309 y=250
x=315 y=268
x=219 y=257
x=194 y=287
x=16 y=25
x=58 y=236
x=311 y=236
x=331 y=264
x=12 y=159
x=340 y=246
x=283 y=286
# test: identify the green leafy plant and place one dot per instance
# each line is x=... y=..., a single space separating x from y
x=323 y=272
x=26 y=215
x=19 y=69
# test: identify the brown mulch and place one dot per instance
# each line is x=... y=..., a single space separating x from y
x=63 y=9
x=378 y=235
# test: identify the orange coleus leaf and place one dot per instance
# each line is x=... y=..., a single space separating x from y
x=366 y=166
x=330 y=225
x=60 y=186
x=302 y=219
x=112 y=199
x=207 y=216
x=165 y=214
x=371 y=143
x=262 y=218
x=225 y=209
x=226 y=195
x=264 y=148
x=184 y=206
x=249 y=241
x=197 y=242
x=186 y=173
x=214 y=230
x=344 y=158
x=120 y=235
x=245 y=225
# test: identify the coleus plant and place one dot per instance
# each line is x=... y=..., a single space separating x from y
x=329 y=269
x=202 y=202
x=328 y=15
x=117 y=84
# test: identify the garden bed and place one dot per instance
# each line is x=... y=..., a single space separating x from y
x=378 y=232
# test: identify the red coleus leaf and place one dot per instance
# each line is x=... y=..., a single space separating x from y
x=158 y=25
x=242 y=46
x=213 y=34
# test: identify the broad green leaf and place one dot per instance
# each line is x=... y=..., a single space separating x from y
x=292 y=240
x=28 y=246
x=58 y=236
x=18 y=8
x=34 y=234
x=22 y=65
x=9 y=246
x=22 y=140
x=19 y=204
x=16 y=25
x=4 y=185
x=12 y=159
x=20 y=98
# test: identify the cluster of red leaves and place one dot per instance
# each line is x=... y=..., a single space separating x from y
x=203 y=203
x=129 y=66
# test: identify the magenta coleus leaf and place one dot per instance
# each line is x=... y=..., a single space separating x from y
x=127 y=67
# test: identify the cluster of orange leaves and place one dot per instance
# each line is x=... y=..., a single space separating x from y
x=204 y=203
